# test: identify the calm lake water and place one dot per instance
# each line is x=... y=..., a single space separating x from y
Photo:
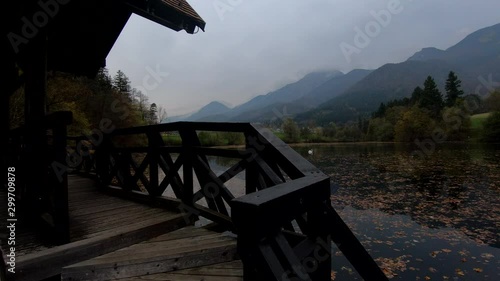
x=422 y=218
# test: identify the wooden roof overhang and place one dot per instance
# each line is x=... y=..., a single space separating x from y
x=81 y=33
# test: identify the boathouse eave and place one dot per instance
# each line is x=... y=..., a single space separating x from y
x=81 y=33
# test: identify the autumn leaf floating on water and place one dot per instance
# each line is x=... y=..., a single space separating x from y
x=478 y=270
x=390 y=267
x=434 y=253
x=459 y=272
x=487 y=256
x=333 y=275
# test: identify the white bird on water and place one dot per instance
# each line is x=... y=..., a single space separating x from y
x=310 y=152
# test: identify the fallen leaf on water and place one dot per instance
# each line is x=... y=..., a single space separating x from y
x=434 y=253
x=427 y=278
x=333 y=275
x=459 y=272
x=432 y=269
x=446 y=250
x=478 y=270
x=487 y=256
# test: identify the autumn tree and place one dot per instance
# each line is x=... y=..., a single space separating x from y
x=491 y=128
x=414 y=123
x=291 y=130
x=162 y=114
x=492 y=102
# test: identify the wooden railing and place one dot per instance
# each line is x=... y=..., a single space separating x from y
x=283 y=217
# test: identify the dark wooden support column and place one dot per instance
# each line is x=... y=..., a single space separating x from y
x=189 y=139
x=5 y=109
x=35 y=162
x=251 y=174
x=154 y=142
x=9 y=73
x=58 y=182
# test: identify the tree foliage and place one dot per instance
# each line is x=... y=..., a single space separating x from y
x=415 y=123
x=90 y=100
x=453 y=89
x=431 y=98
x=491 y=128
x=492 y=102
x=291 y=130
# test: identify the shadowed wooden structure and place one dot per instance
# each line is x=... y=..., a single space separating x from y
x=132 y=217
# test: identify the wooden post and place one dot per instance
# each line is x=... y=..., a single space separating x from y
x=320 y=258
x=188 y=139
x=5 y=109
x=35 y=92
x=60 y=184
x=251 y=174
x=153 y=155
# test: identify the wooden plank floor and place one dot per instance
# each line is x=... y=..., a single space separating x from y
x=99 y=223
x=228 y=271
x=91 y=213
x=188 y=248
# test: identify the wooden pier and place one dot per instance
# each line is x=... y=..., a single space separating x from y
x=123 y=226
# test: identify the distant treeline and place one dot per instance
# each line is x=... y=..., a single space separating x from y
x=93 y=100
x=426 y=114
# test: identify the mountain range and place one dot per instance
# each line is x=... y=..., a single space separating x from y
x=328 y=96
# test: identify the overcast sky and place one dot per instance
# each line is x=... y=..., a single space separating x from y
x=251 y=47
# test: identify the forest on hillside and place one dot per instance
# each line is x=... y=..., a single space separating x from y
x=427 y=114
x=92 y=100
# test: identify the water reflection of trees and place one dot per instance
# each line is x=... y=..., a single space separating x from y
x=456 y=186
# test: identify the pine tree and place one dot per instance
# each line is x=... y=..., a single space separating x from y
x=153 y=114
x=453 y=91
x=431 y=98
x=416 y=95
x=122 y=84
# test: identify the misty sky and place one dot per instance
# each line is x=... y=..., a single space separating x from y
x=251 y=47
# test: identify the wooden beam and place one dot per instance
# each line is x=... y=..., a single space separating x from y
x=350 y=246
x=267 y=210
